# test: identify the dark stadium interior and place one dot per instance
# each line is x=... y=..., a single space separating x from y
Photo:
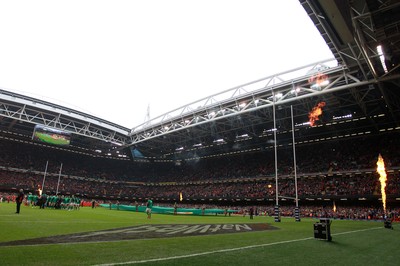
x=336 y=158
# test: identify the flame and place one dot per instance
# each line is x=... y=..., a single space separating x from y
x=315 y=113
x=334 y=207
x=180 y=196
x=318 y=81
x=382 y=178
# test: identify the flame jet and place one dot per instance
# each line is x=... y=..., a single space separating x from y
x=313 y=116
x=382 y=178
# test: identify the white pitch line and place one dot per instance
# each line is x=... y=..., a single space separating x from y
x=204 y=253
x=226 y=250
x=356 y=231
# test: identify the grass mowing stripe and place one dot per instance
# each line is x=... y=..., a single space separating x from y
x=228 y=250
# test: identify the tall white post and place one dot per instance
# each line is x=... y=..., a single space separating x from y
x=44 y=177
x=276 y=209
x=276 y=152
x=294 y=158
x=59 y=176
x=296 y=210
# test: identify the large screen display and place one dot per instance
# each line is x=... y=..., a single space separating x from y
x=51 y=136
x=136 y=153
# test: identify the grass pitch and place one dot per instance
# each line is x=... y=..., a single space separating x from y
x=353 y=243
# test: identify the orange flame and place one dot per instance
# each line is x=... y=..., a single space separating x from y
x=319 y=80
x=382 y=178
x=334 y=207
x=180 y=196
x=315 y=113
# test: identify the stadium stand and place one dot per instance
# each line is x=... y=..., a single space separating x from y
x=336 y=159
x=334 y=170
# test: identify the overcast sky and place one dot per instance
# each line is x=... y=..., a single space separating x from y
x=114 y=58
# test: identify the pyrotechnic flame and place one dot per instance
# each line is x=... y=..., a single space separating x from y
x=382 y=178
x=315 y=113
x=319 y=80
x=180 y=196
x=334 y=207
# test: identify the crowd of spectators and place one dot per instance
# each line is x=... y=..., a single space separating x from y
x=333 y=156
x=362 y=185
x=344 y=168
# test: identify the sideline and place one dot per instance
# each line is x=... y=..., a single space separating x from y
x=227 y=250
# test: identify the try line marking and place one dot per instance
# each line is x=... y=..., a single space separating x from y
x=227 y=250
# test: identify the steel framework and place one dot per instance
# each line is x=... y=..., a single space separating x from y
x=363 y=87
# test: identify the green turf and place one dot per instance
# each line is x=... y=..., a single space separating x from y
x=354 y=242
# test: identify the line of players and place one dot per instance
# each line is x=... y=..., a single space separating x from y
x=54 y=201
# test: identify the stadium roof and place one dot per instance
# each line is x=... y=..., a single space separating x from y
x=361 y=97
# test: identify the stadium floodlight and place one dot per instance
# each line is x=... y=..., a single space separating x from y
x=320 y=84
x=211 y=115
x=303 y=124
x=242 y=136
x=277 y=96
x=219 y=141
x=116 y=143
x=381 y=57
x=240 y=106
x=342 y=117
x=295 y=91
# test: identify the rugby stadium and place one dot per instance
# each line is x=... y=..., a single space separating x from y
x=297 y=168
